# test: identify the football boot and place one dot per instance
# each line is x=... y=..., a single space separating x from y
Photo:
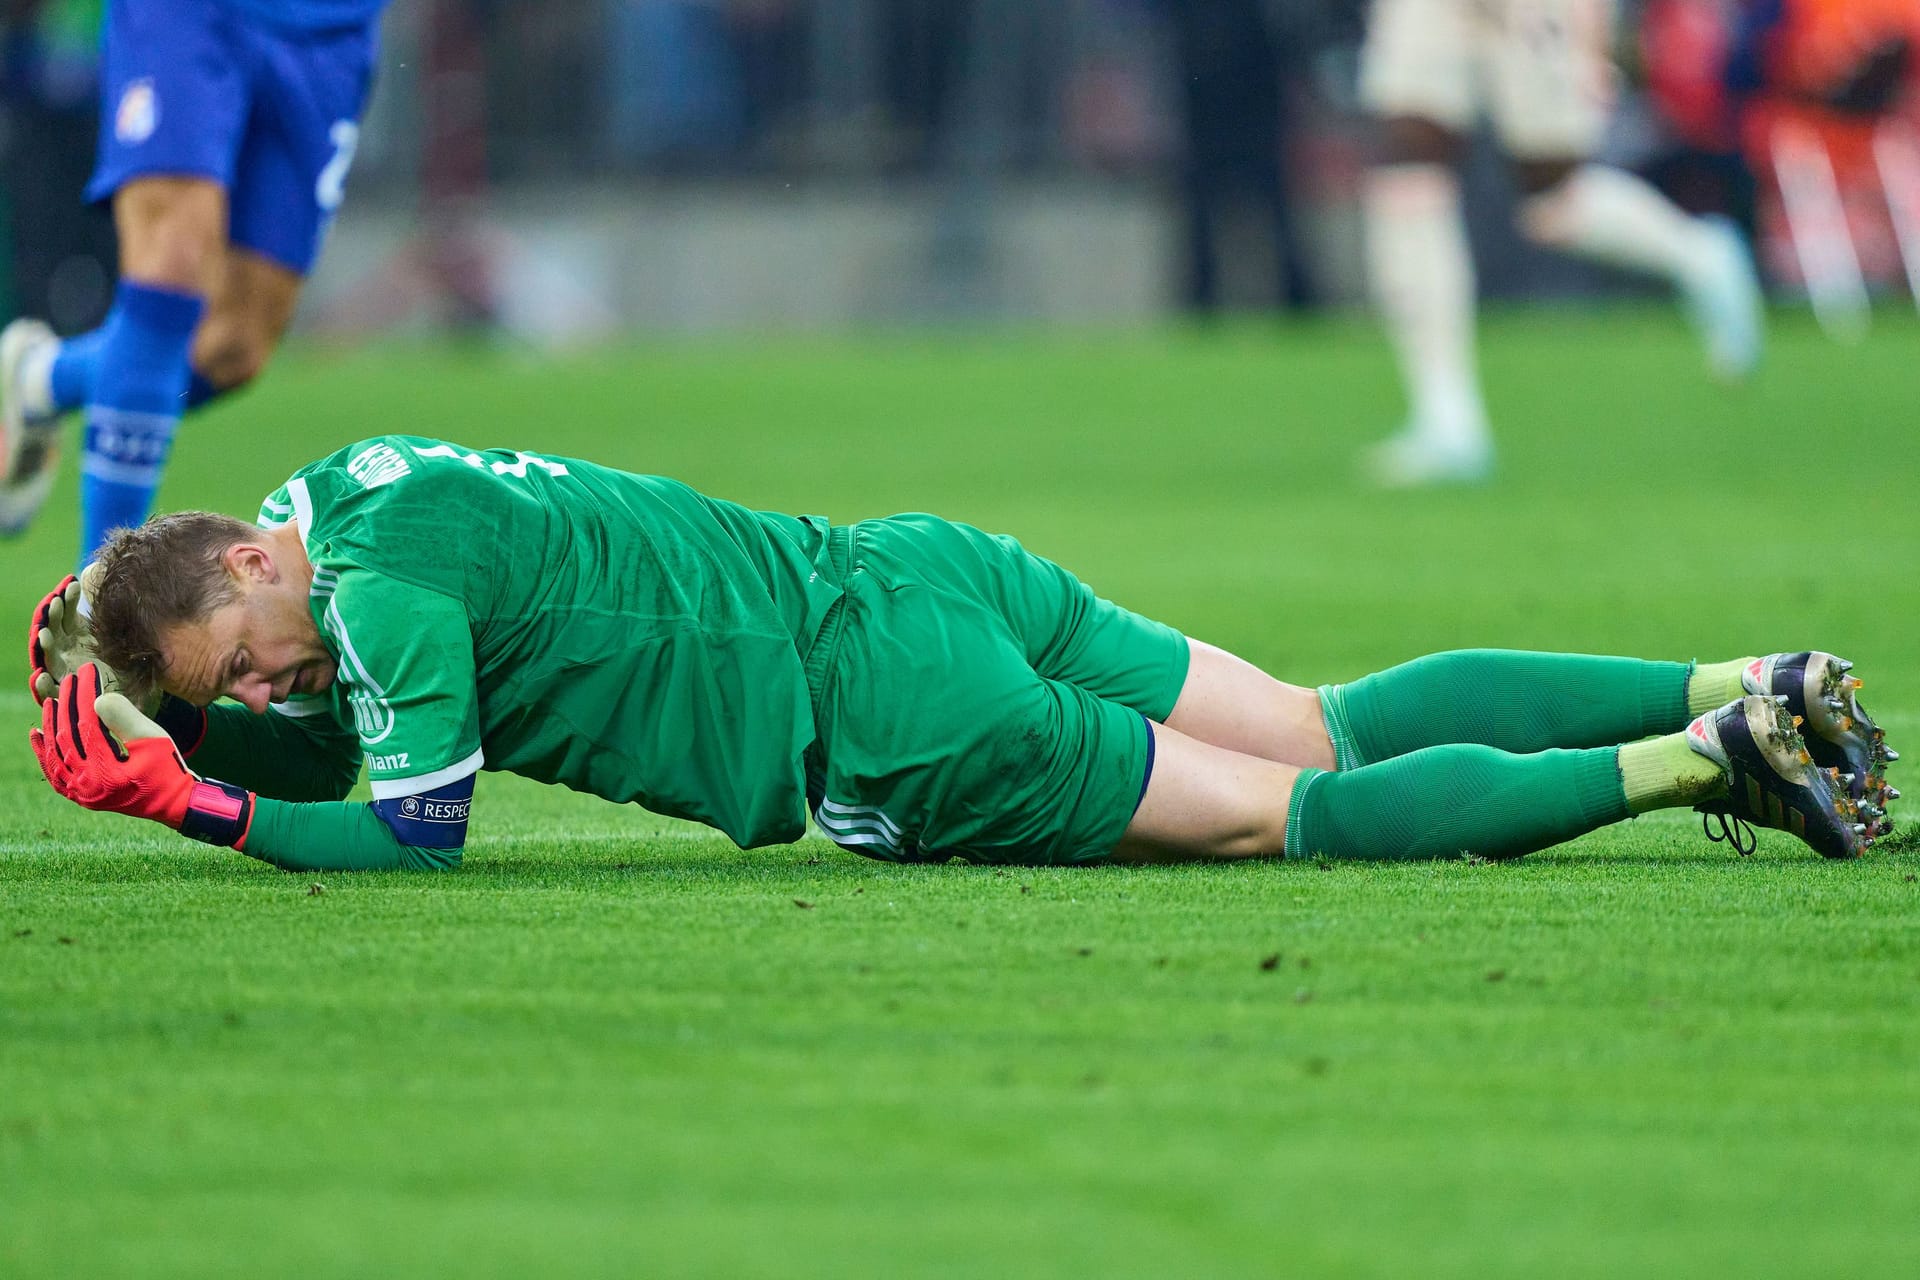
x=1724 y=301
x=29 y=445
x=1414 y=459
x=1772 y=781
x=1838 y=732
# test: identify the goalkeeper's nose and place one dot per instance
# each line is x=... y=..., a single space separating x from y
x=252 y=691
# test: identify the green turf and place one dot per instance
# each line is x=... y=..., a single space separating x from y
x=614 y=1045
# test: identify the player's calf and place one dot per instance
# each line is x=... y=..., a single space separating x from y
x=245 y=319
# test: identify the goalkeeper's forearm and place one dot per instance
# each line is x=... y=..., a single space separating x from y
x=103 y=753
x=334 y=836
x=274 y=755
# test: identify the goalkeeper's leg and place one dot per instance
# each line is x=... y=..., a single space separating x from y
x=1204 y=801
x=1226 y=701
x=1517 y=701
x=1499 y=698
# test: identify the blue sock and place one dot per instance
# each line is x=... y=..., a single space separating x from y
x=73 y=370
x=139 y=391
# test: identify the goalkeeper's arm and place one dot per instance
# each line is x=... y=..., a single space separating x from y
x=350 y=836
x=100 y=751
x=286 y=756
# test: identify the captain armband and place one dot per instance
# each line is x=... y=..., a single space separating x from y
x=434 y=819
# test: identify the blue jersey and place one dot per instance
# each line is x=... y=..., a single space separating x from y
x=262 y=96
x=308 y=15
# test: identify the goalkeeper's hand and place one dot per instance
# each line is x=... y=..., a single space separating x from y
x=101 y=752
x=58 y=639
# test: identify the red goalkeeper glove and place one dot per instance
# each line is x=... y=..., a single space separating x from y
x=99 y=751
x=50 y=637
x=60 y=641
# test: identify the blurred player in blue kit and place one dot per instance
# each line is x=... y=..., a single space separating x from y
x=227 y=129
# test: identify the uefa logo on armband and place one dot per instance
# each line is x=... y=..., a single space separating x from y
x=138 y=113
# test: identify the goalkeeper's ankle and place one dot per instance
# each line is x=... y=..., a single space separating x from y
x=1665 y=772
x=1713 y=685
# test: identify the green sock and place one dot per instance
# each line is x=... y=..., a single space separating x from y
x=1522 y=702
x=1442 y=802
x=1713 y=685
x=1664 y=772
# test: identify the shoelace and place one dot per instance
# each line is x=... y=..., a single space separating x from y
x=1734 y=831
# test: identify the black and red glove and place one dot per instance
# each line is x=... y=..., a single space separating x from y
x=55 y=628
x=101 y=752
x=60 y=641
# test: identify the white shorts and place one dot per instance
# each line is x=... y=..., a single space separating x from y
x=1540 y=70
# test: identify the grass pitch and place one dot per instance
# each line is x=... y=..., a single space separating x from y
x=617 y=1045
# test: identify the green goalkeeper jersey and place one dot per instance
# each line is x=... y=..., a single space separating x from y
x=615 y=633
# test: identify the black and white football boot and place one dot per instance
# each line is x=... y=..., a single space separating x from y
x=1772 y=781
x=1838 y=732
x=29 y=444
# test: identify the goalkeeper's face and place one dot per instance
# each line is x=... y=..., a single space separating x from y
x=259 y=648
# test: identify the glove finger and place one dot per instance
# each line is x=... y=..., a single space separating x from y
x=94 y=742
x=67 y=722
x=46 y=640
x=44 y=686
x=122 y=725
x=57 y=594
x=54 y=604
x=67 y=609
x=53 y=719
x=124 y=722
x=49 y=760
x=36 y=645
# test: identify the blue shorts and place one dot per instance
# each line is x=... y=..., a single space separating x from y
x=190 y=89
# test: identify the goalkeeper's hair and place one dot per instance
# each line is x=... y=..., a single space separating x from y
x=155 y=577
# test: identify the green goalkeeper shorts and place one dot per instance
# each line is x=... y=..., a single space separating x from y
x=973 y=700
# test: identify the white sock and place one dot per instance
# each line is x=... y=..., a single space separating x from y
x=1422 y=275
x=36 y=380
x=1609 y=215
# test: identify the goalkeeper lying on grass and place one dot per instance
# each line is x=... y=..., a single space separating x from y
x=925 y=690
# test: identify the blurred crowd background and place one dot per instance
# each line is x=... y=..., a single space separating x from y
x=576 y=168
